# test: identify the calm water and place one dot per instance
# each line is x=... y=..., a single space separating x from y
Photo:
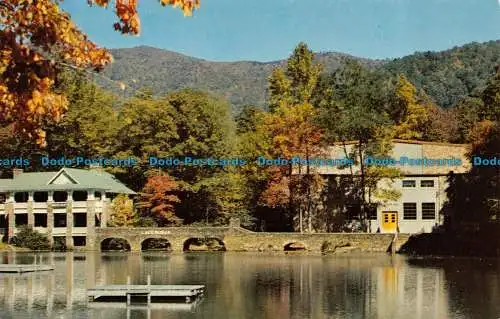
x=259 y=286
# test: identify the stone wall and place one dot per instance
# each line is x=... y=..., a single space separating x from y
x=238 y=239
x=311 y=242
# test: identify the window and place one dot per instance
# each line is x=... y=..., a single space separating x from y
x=40 y=220
x=79 y=196
x=21 y=219
x=79 y=241
x=60 y=196
x=80 y=220
x=353 y=212
x=21 y=197
x=409 y=183
x=59 y=220
x=428 y=210
x=427 y=183
x=40 y=197
x=410 y=211
x=372 y=212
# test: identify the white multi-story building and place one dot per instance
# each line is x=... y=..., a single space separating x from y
x=68 y=204
x=422 y=187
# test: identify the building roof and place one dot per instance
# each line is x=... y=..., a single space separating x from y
x=64 y=180
x=416 y=142
x=410 y=149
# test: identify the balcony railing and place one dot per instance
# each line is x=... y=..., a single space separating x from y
x=59 y=204
x=40 y=205
x=80 y=204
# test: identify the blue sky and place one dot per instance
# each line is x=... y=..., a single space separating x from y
x=267 y=30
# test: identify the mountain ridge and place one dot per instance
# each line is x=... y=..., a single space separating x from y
x=459 y=70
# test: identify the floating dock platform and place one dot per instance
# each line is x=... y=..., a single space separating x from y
x=145 y=293
x=20 y=268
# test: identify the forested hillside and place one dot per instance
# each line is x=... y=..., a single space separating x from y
x=242 y=82
x=450 y=75
x=446 y=76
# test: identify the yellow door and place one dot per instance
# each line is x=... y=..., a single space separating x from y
x=389 y=222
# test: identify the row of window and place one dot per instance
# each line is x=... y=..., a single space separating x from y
x=413 y=183
x=42 y=197
x=40 y=220
x=410 y=211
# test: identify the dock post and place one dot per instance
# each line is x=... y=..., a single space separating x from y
x=128 y=287
x=149 y=289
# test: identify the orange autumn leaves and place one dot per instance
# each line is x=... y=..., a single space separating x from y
x=37 y=40
x=293 y=133
x=126 y=10
x=158 y=199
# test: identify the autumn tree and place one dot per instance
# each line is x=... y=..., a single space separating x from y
x=442 y=125
x=360 y=104
x=88 y=128
x=295 y=84
x=122 y=212
x=291 y=127
x=37 y=40
x=467 y=115
x=157 y=200
x=126 y=11
x=293 y=134
x=204 y=129
x=253 y=140
x=408 y=114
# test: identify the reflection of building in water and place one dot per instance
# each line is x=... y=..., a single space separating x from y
x=402 y=289
x=69 y=280
x=38 y=289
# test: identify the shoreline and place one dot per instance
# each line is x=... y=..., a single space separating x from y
x=159 y=253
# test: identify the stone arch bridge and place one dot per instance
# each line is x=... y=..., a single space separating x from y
x=236 y=238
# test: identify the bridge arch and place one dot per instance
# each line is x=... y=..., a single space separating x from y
x=115 y=243
x=204 y=244
x=156 y=243
x=294 y=246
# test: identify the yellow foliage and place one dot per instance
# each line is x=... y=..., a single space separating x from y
x=414 y=113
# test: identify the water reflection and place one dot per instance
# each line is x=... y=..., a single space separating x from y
x=251 y=286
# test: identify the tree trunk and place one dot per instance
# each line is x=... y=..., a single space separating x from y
x=309 y=217
x=363 y=189
x=290 y=203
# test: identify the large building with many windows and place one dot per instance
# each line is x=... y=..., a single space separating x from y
x=424 y=169
x=66 y=205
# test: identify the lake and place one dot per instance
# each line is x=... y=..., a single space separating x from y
x=247 y=285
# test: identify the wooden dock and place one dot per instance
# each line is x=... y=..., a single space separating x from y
x=22 y=268
x=144 y=293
